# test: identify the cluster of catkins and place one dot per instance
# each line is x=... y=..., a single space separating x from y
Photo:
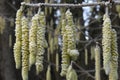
x=30 y=42
x=69 y=51
x=110 y=54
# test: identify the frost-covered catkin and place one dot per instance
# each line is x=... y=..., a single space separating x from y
x=25 y=48
x=48 y=73
x=106 y=42
x=113 y=75
x=97 y=63
x=18 y=34
x=33 y=40
x=41 y=43
x=71 y=74
x=70 y=31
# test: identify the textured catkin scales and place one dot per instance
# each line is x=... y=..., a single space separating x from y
x=33 y=40
x=25 y=48
x=65 y=57
x=48 y=73
x=71 y=74
x=70 y=31
x=106 y=42
x=113 y=75
x=69 y=45
x=41 y=43
x=18 y=34
x=97 y=63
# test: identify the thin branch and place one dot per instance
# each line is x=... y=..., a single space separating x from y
x=91 y=71
x=69 y=5
x=83 y=70
x=13 y=7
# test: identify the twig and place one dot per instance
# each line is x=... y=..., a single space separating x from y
x=83 y=70
x=69 y=5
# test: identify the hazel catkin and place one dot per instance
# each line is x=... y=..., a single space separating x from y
x=48 y=73
x=18 y=34
x=33 y=40
x=97 y=63
x=113 y=75
x=40 y=43
x=69 y=50
x=25 y=48
x=70 y=31
x=106 y=42
x=71 y=74
x=65 y=56
x=92 y=51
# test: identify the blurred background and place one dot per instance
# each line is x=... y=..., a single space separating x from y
x=88 y=21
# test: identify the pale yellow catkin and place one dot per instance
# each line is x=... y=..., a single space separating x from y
x=40 y=43
x=106 y=42
x=51 y=45
x=97 y=63
x=18 y=42
x=48 y=73
x=25 y=48
x=113 y=75
x=69 y=45
x=63 y=23
x=86 y=56
x=33 y=40
x=2 y=24
x=118 y=9
x=71 y=74
x=70 y=31
x=10 y=40
x=92 y=51
x=57 y=62
x=65 y=57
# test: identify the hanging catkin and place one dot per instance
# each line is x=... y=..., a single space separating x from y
x=69 y=45
x=113 y=75
x=70 y=31
x=33 y=40
x=57 y=62
x=97 y=63
x=106 y=42
x=18 y=34
x=65 y=56
x=86 y=56
x=71 y=74
x=92 y=51
x=41 y=43
x=2 y=26
x=25 y=48
x=48 y=73
x=118 y=9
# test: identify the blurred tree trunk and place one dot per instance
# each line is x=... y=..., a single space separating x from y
x=7 y=67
